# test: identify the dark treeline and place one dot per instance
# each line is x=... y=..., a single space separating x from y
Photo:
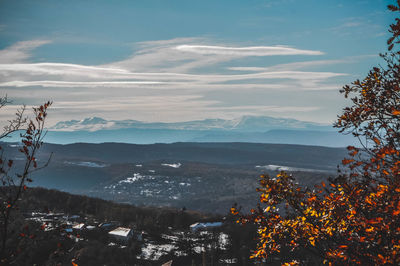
x=153 y=218
x=32 y=245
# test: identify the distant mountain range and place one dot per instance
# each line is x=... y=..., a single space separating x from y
x=254 y=129
x=243 y=124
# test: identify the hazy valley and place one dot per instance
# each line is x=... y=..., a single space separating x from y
x=208 y=177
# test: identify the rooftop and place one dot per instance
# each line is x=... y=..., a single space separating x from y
x=120 y=231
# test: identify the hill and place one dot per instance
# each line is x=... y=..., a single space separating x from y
x=208 y=177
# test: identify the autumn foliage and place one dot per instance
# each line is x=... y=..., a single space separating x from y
x=355 y=217
x=14 y=177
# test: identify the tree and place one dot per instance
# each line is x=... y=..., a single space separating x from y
x=14 y=179
x=355 y=218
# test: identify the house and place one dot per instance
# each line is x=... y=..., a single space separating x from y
x=201 y=226
x=121 y=234
x=90 y=227
x=109 y=225
x=80 y=226
x=169 y=263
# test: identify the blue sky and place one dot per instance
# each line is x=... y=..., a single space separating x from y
x=186 y=60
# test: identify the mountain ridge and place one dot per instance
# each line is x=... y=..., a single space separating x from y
x=242 y=124
x=253 y=129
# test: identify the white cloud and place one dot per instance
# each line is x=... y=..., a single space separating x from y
x=72 y=84
x=161 y=81
x=245 y=51
x=161 y=56
x=20 y=51
x=187 y=54
x=304 y=64
x=168 y=43
x=269 y=108
x=291 y=66
x=72 y=75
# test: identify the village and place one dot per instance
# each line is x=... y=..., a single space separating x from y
x=199 y=237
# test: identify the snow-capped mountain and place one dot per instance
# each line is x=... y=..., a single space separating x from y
x=93 y=124
x=243 y=124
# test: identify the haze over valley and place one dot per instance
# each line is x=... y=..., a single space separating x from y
x=208 y=177
x=252 y=129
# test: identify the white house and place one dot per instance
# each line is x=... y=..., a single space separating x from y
x=122 y=234
x=80 y=226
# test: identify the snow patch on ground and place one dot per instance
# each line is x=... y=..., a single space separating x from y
x=174 y=197
x=134 y=178
x=223 y=241
x=87 y=164
x=273 y=167
x=152 y=251
x=129 y=180
x=173 y=165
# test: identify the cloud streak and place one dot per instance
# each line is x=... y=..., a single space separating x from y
x=245 y=51
x=73 y=75
x=20 y=51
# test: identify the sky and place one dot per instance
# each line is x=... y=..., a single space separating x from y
x=170 y=60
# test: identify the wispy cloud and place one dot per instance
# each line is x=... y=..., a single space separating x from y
x=162 y=63
x=76 y=75
x=186 y=54
x=304 y=64
x=72 y=84
x=161 y=77
x=359 y=27
x=20 y=52
x=245 y=51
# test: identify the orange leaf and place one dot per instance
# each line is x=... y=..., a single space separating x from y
x=385 y=172
x=353 y=153
x=347 y=161
x=234 y=211
x=311 y=199
x=383 y=260
x=396 y=112
x=368 y=230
